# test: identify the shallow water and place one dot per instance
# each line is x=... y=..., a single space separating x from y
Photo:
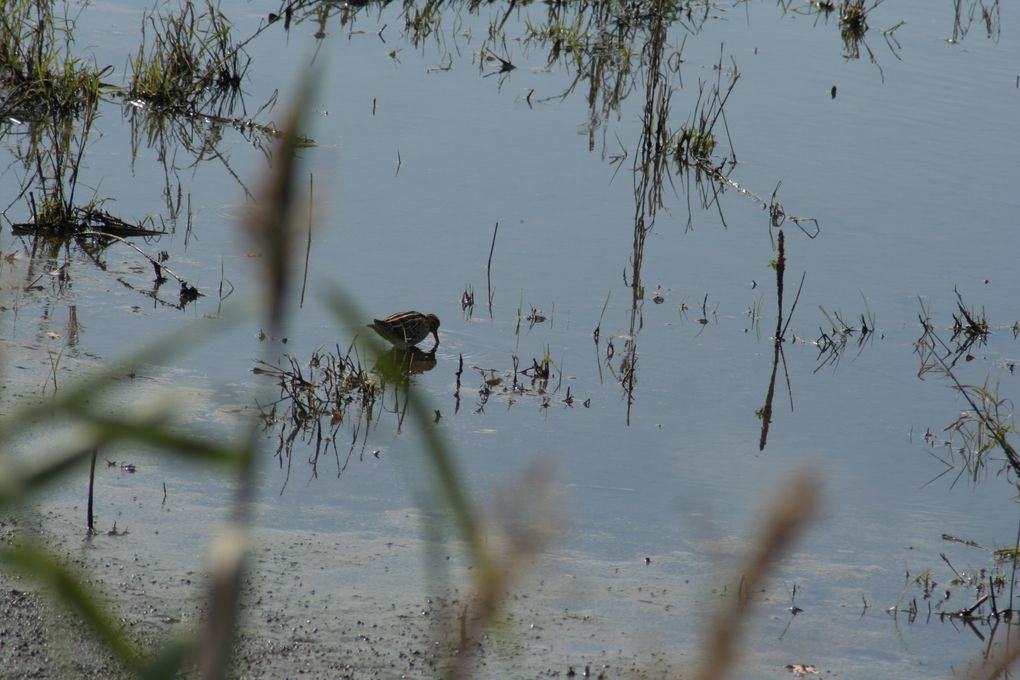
x=909 y=171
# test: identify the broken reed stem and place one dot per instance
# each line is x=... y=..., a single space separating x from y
x=488 y=268
x=780 y=271
x=308 y=242
x=456 y=393
x=92 y=480
x=160 y=267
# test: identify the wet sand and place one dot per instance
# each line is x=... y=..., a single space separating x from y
x=334 y=606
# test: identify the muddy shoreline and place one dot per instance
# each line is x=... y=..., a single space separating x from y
x=313 y=606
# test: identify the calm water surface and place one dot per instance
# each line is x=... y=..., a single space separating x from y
x=910 y=171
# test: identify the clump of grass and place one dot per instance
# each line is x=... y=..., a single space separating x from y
x=58 y=93
x=38 y=74
x=53 y=158
x=54 y=215
x=853 y=20
x=562 y=39
x=695 y=142
x=831 y=343
x=693 y=146
x=970 y=327
x=521 y=383
x=190 y=63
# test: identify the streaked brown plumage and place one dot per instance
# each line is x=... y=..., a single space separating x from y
x=407 y=329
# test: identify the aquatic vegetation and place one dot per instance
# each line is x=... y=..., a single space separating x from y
x=467 y=301
x=39 y=73
x=978 y=597
x=190 y=63
x=979 y=442
x=987 y=424
x=516 y=382
x=970 y=328
x=986 y=12
x=853 y=22
x=44 y=82
x=59 y=94
x=832 y=343
x=52 y=153
x=316 y=400
x=693 y=146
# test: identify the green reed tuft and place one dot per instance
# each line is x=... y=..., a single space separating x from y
x=39 y=74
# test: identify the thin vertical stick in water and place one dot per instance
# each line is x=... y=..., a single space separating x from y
x=780 y=270
x=456 y=394
x=92 y=480
x=308 y=243
x=488 y=268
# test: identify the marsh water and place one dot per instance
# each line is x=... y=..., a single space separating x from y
x=897 y=153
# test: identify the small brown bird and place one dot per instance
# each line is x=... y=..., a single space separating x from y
x=407 y=329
